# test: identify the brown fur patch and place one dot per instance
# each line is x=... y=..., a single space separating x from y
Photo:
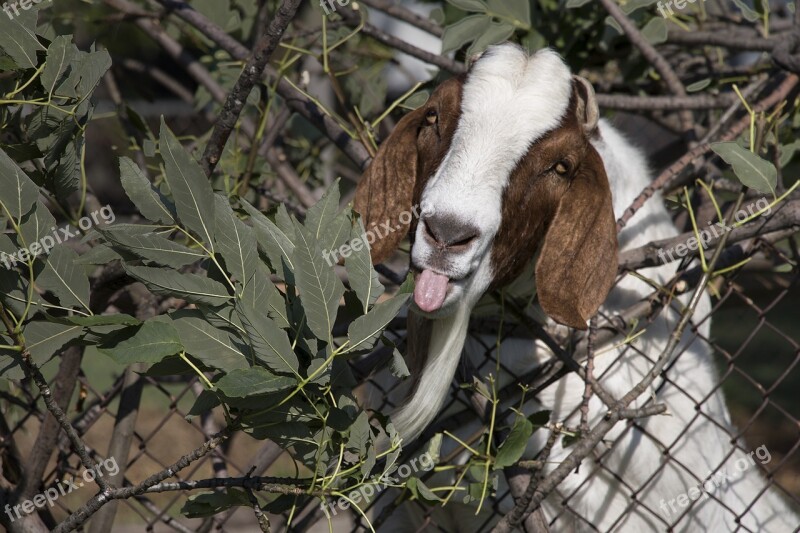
x=395 y=179
x=571 y=214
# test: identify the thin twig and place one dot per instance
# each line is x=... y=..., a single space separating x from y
x=295 y=99
x=587 y=391
x=441 y=61
x=79 y=517
x=406 y=15
x=32 y=372
x=252 y=72
x=778 y=95
x=662 y=66
x=664 y=103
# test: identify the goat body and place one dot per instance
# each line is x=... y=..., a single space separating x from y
x=509 y=160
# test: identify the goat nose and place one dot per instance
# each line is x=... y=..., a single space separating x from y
x=447 y=231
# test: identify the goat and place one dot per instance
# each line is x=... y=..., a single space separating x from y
x=510 y=162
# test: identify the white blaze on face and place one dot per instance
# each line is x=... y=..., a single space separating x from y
x=508 y=102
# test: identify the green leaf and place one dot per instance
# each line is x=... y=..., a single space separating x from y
x=518 y=12
x=399 y=367
x=37 y=225
x=194 y=198
x=18 y=38
x=269 y=342
x=540 y=419
x=363 y=278
x=284 y=221
x=101 y=254
x=408 y=285
x=322 y=214
x=320 y=289
x=17 y=192
x=416 y=100
x=468 y=5
x=365 y=331
x=63 y=162
x=244 y=382
x=421 y=491
x=64 y=278
x=100 y=320
x=152 y=342
x=747 y=12
x=236 y=242
x=434 y=451
x=60 y=54
x=514 y=446
x=496 y=33
x=655 y=31
x=45 y=339
x=570 y=438
x=91 y=68
x=205 y=403
x=191 y=287
x=211 y=503
x=212 y=346
x=14 y=289
x=752 y=171
x=324 y=221
x=631 y=6
x=698 y=85
x=85 y=71
x=271 y=240
x=261 y=293
x=360 y=434
x=152 y=247
x=464 y=31
x=147 y=199
x=788 y=151
x=572 y=4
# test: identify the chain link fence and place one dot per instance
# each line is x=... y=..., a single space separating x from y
x=754 y=335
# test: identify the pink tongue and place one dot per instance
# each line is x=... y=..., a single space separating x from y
x=430 y=290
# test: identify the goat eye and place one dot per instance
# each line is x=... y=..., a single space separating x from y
x=431 y=116
x=561 y=168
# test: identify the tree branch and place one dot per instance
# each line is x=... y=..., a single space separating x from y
x=406 y=15
x=652 y=55
x=778 y=95
x=32 y=372
x=296 y=100
x=252 y=72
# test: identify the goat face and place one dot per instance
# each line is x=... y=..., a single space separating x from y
x=501 y=165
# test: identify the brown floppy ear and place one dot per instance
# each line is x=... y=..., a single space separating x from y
x=387 y=187
x=578 y=260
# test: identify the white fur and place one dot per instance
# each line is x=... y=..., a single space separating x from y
x=447 y=338
x=698 y=439
x=509 y=101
